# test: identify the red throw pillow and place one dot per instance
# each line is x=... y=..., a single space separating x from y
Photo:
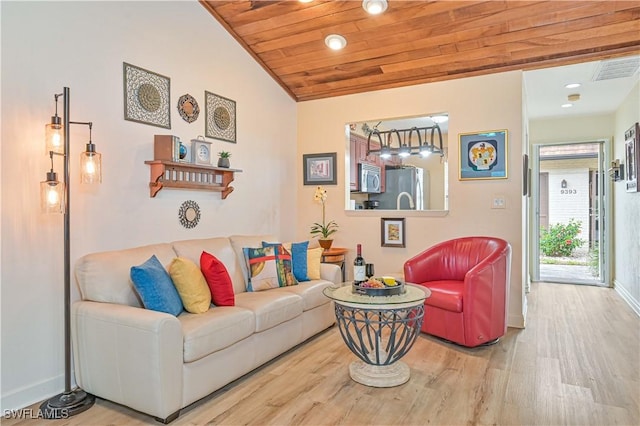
x=218 y=280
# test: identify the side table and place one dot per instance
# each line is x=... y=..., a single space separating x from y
x=336 y=256
x=379 y=330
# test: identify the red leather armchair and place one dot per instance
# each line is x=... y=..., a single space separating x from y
x=469 y=282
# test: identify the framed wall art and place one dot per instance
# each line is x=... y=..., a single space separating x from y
x=632 y=157
x=483 y=155
x=220 y=114
x=146 y=96
x=319 y=169
x=188 y=108
x=392 y=232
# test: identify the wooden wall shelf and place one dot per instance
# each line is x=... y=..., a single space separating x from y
x=169 y=174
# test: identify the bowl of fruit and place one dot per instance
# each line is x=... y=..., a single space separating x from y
x=379 y=286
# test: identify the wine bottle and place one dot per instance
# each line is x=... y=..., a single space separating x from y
x=359 y=275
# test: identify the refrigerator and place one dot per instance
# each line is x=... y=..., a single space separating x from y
x=404 y=189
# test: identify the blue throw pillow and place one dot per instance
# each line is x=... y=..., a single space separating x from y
x=154 y=285
x=298 y=258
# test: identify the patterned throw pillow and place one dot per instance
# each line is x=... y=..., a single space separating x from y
x=298 y=257
x=269 y=267
x=191 y=285
x=218 y=279
x=154 y=285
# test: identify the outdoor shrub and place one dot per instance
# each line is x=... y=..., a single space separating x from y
x=561 y=239
x=594 y=260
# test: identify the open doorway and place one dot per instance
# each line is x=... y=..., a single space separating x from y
x=569 y=202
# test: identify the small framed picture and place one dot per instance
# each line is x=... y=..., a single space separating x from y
x=319 y=169
x=392 y=232
x=483 y=155
x=632 y=157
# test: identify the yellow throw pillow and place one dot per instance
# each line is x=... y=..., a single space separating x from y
x=313 y=263
x=191 y=285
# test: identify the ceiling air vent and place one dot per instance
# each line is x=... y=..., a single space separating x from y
x=617 y=68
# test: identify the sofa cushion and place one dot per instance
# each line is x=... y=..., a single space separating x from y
x=314 y=256
x=222 y=249
x=445 y=294
x=106 y=276
x=218 y=280
x=191 y=285
x=155 y=287
x=298 y=257
x=310 y=292
x=270 y=267
x=238 y=242
x=270 y=307
x=214 y=330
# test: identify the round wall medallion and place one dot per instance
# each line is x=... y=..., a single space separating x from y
x=149 y=97
x=221 y=117
x=188 y=108
x=189 y=214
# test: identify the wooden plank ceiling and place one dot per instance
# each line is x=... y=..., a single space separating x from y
x=422 y=41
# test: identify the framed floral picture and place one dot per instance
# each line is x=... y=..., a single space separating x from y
x=392 y=232
x=319 y=169
x=483 y=155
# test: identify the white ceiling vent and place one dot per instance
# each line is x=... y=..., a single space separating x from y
x=617 y=68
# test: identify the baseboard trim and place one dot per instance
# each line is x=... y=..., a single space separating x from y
x=28 y=395
x=622 y=291
x=515 y=321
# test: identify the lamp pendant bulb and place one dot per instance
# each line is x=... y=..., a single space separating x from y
x=52 y=195
x=91 y=167
x=54 y=136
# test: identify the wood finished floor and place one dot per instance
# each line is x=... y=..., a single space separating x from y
x=576 y=363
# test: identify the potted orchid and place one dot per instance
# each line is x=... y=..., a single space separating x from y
x=323 y=230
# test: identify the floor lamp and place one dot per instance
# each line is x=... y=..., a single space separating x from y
x=54 y=197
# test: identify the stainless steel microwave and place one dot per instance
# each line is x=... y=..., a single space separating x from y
x=369 y=178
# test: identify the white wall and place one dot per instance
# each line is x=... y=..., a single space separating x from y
x=82 y=45
x=571 y=202
x=627 y=211
x=474 y=104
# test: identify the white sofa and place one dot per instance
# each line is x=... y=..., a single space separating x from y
x=157 y=363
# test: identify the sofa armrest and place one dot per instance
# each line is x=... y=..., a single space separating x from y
x=129 y=355
x=331 y=272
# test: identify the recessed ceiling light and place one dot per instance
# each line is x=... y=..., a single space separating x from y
x=572 y=85
x=566 y=105
x=439 y=118
x=335 y=41
x=374 y=7
x=305 y=1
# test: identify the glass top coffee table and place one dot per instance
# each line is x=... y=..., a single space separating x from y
x=379 y=330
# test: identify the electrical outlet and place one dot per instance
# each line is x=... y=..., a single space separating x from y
x=499 y=202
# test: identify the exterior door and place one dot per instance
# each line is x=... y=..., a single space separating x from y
x=570 y=231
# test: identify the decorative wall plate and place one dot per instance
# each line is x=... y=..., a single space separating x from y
x=146 y=96
x=189 y=214
x=188 y=108
x=221 y=117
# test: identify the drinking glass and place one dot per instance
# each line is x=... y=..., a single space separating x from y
x=369 y=270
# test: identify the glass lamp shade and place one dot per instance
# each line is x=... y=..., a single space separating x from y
x=54 y=137
x=91 y=167
x=52 y=195
x=385 y=152
x=425 y=150
x=404 y=151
